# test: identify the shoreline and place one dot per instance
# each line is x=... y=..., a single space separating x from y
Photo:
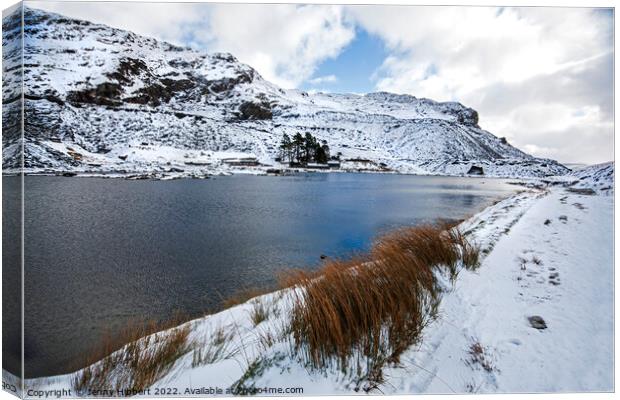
x=488 y=227
x=155 y=176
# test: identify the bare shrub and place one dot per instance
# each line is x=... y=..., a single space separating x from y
x=478 y=356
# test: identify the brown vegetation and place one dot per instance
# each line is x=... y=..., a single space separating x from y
x=137 y=365
x=217 y=347
x=478 y=356
x=363 y=313
x=259 y=313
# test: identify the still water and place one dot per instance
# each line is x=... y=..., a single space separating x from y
x=102 y=252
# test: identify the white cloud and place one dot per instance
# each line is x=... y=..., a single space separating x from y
x=285 y=43
x=543 y=77
x=323 y=79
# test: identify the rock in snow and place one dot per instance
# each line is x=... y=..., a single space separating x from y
x=537 y=322
x=125 y=102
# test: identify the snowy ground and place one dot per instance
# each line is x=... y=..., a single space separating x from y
x=553 y=258
x=547 y=252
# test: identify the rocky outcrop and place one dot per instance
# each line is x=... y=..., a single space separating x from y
x=251 y=110
x=467 y=116
x=104 y=94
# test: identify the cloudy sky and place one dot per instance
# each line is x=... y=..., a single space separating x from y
x=542 y=77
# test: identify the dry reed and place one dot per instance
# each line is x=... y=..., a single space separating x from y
x=362 y=313
x=135 y=366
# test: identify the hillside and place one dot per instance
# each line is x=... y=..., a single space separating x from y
x=104 y=100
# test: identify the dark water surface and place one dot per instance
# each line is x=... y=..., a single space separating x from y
x=102 y=252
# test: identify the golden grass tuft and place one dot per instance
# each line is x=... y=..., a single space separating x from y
x=259 y=312
x=362 y=313
x=219 y=347
x=135 y=366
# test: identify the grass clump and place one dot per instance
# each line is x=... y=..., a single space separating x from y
x=245 y=386
x=479 y=356
x=259 y=312
x=362 y=313
x=136 y=366
x=217 y=349
x=469 y=253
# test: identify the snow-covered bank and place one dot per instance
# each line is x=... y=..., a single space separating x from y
x=547 y=252
x=556 y=262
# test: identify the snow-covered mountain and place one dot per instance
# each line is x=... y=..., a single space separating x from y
x=99 y=99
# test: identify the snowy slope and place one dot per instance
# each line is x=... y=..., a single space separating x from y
x=100 y=99
x=552 y=270
x=547 y=252
x=599 y=177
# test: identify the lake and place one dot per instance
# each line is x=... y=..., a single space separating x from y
x=101 y=253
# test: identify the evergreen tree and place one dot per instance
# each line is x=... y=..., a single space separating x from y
x=285 y=148
x=325 y=148
x=309 y=147
x=298 y=143
x=320 y=155
x=303 y=149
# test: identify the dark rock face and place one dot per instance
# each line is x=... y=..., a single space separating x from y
x=250 y=110
x=178 y=85
x=467 y=116
x=104 y=94
x=158 y=90
x=475 y=170
x=583 y=191
x=51 y=98
x=227 y=84
x=154 y=95
x=128 y=68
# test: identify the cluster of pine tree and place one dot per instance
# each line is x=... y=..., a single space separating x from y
x=303 y=149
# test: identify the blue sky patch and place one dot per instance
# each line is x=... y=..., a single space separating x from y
x=353 y=68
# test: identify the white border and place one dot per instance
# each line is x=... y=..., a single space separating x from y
x=547 y=3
